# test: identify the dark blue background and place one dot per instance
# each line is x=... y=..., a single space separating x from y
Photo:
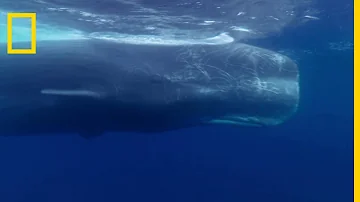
x=307 y=159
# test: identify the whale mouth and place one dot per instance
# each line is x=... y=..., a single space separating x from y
x=253 y=121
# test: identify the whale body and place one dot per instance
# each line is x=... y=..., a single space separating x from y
x=94 y=86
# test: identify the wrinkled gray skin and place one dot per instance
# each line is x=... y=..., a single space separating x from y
x=89 y=87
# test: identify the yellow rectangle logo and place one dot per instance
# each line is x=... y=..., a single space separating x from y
x=10 y=49
x=356 y=101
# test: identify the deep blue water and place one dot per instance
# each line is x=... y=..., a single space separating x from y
x=308 y=159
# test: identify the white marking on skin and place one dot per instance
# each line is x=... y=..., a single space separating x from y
x=205 y=90
x=241 y=29
x=274 y=17
x=311 y=17
x=279 y=60
x=70 y=92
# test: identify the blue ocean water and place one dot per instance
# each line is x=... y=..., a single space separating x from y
x=309 y=158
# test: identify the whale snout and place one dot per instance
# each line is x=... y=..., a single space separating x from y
x=263 y=108
x=260 y=88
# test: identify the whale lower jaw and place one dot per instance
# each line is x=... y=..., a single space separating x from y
x=246 y=121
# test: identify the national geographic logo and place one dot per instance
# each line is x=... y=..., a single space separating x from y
x=10 y=17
